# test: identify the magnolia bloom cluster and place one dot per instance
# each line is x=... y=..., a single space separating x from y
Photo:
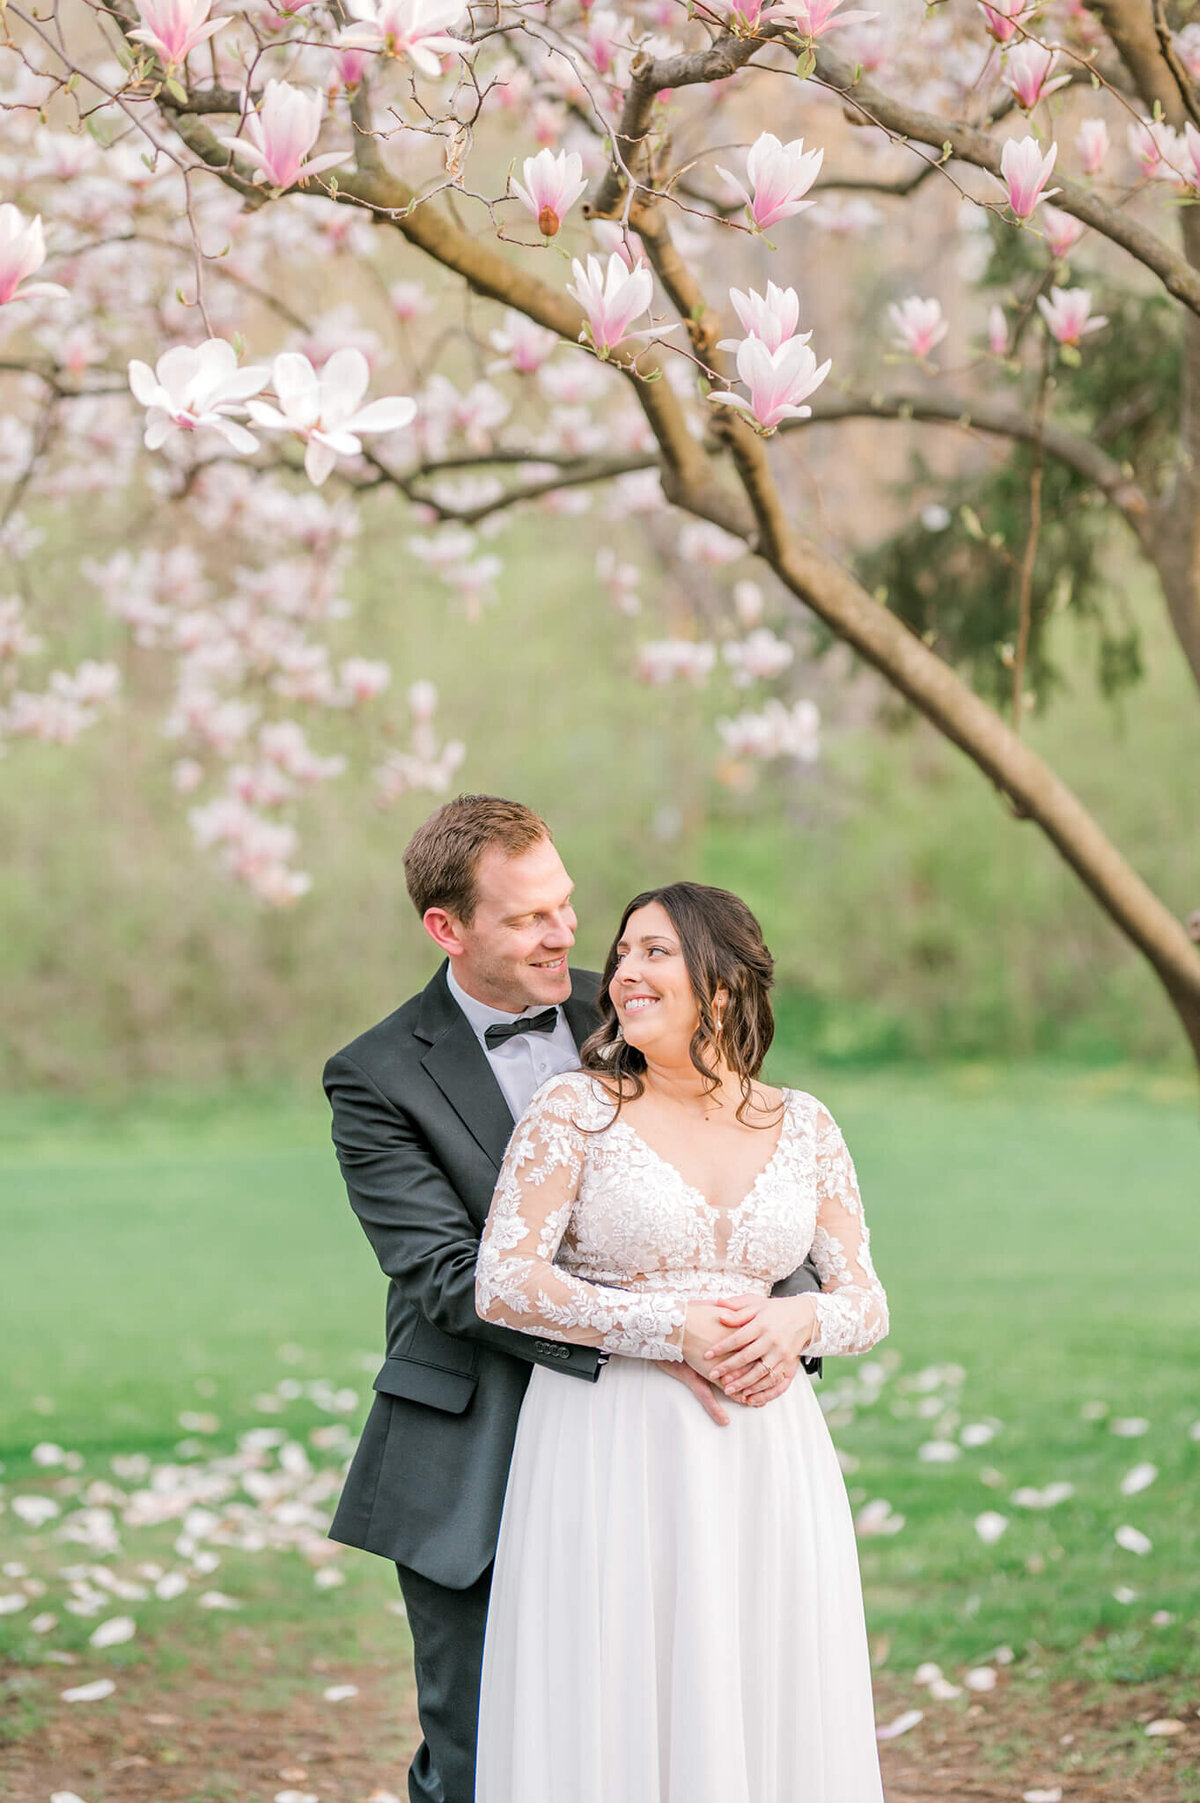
x=773 y=360
x=1165 y=154
x=775 y=731
x=664 y=660
x=426 y=765
x=69 y=704
x=203 y=386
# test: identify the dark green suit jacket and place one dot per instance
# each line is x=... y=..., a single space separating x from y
x=421 y=1126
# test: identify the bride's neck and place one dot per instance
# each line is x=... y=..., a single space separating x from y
x=683 y=1084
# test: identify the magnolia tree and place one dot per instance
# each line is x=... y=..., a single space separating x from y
x=598 y=267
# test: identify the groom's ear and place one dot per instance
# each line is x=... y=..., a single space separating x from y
x=444 y=930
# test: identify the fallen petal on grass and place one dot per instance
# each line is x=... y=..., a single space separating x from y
x=1166 y=1724
x=1140 y=1478
x=942 y=1690
x=1053 y=1795
x=89 y=1693
x=1133 y=1540
x=901 y=1725
x=216 y=1599
x=980 y=1677
x=990 y=1525
x=113 y=1632
x=339 y=1693
x=925 y=1674
x=1129 y=1427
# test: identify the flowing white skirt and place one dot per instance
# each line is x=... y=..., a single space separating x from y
x=676 y=1612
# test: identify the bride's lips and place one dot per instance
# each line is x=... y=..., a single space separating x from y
x=637 y=1004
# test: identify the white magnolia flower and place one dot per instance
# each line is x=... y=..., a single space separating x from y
x=325 y=410
x=196 y=385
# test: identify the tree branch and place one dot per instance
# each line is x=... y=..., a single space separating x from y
x=1082 y=455
x=976 y=147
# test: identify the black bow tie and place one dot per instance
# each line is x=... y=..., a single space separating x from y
x=528 y=1023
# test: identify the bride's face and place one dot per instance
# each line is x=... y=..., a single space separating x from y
x=651 y=990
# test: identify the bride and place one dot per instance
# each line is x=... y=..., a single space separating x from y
x=676 y=1613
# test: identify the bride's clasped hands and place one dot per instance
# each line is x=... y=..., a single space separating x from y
x=750 y=1346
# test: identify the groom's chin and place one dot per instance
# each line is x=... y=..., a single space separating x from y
x=552 y=985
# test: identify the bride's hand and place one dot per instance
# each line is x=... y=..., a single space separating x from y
x=707 y=1325
x=772 y=1329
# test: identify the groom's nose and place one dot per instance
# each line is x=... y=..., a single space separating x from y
x=561 y=930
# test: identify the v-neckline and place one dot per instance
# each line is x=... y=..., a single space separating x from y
x=694 y=1189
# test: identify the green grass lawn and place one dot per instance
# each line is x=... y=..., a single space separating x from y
x=1035 y=1227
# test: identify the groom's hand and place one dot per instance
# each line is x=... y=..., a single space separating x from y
x=700 y=1387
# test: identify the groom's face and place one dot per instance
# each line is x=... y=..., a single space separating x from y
x=514 y=952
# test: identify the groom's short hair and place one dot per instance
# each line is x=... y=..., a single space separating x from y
x=441 y=860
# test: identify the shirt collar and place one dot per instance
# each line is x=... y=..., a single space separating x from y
x=480 y=1014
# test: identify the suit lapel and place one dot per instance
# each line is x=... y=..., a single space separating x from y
x=580 y=1009
x=457 y=1064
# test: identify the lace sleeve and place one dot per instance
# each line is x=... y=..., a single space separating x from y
x=851 y=1311
x=517 y=1283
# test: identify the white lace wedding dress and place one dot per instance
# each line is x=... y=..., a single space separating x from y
x=676 y=1611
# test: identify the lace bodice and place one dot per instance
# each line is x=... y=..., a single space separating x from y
x=594 y=1238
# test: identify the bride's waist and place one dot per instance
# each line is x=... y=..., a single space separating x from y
x=697 y=1286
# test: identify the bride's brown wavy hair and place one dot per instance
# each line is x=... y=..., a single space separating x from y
x=722 y=946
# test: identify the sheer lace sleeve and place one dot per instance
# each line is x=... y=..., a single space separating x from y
x=851 y=1311
x=517 y=1283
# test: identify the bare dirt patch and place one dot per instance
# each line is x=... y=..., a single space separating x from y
x=207 y=1736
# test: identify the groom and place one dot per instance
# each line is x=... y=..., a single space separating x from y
x=423 y=1107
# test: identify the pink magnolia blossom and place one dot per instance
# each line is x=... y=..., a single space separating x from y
x=194 y=386
x=409 y=300
x=523 y=345
x=1025 y=172
x=350 y=64
x=279 y=134
x=603 y=38
x=551 y=187
x=1001 y=17
x=743 y=15
x=997 y=331
x=1192 y=146
x=919 y=324
x=662 y=660
x=779 y=381
x=1062 y=230
x=22 y=251
x=1068 y=314
x=759 y=657
x=415 y=29
x=173 y=28
x=363 y=678
x=778 y=731
x=1091 y=141
x=1028 y=70
x=612 y=297
x=1187 y=44
x=779 y=176
x=326 y=410
x=1158 y=148
x=815 y=17
x=771 y=318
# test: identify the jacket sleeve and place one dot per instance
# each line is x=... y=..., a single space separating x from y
x=419 y=1228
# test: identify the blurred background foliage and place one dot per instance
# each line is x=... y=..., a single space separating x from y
x=909 y=914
